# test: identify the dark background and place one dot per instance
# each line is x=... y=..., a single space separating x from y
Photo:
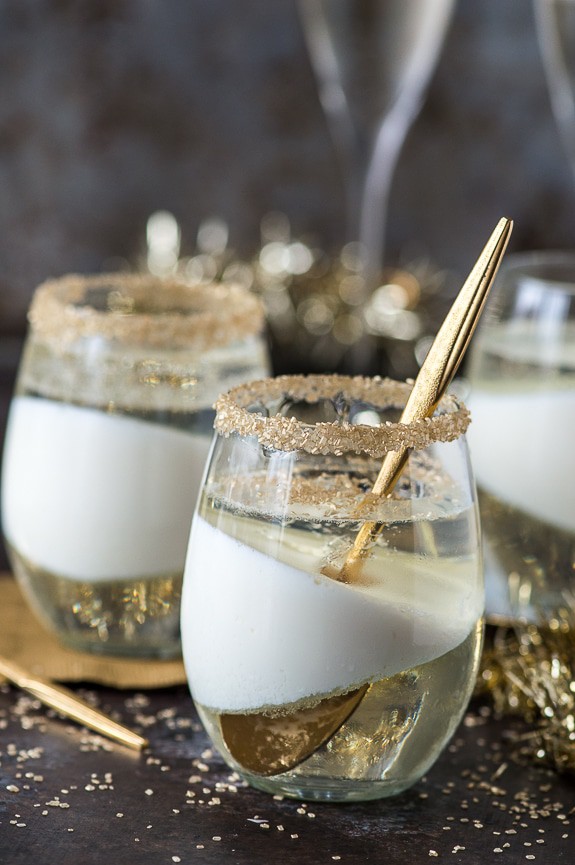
x=111 y=109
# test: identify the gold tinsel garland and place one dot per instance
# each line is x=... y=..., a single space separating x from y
x=528 y=670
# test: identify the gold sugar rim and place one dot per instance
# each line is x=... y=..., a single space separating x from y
x=146 y=310
x=289 y=434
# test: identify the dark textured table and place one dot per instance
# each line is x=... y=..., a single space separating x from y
x=71 y=797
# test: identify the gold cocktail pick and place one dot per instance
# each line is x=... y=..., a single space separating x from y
x=433 y=379
x=68 y=704
x=269 y=745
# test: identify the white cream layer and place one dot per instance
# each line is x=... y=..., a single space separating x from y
x=523 y=452
x=94 y=496
x=257 y=632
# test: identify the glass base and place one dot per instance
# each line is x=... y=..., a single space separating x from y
x=322 y=790
x=135 y=618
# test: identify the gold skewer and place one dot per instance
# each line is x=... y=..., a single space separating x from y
x=432 y=381
x=68 y=704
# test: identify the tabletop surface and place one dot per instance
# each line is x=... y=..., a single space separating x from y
x=71 y=797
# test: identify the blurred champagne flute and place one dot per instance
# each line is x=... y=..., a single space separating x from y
x=555 y=20
x=373 y=60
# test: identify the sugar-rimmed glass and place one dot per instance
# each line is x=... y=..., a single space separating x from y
x=270 y=634
x=107 y=438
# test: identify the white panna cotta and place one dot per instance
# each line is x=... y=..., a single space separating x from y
x=257 y=632
x=522 y=450
x=93 y=496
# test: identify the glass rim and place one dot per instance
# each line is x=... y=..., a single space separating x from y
x=143 y=309
x=533 y=264
x=233 y=416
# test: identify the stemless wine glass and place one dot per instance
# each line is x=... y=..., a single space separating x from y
x=311 y=686
x=373 y=60
x=107 y=437
x=522 y=377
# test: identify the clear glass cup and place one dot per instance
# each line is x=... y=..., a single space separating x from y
x=107 y=437
x=522 y=379
x=311 y=686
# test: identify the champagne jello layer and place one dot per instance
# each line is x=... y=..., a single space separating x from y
x=95 y=496
x=258 y=632
x=522 y=449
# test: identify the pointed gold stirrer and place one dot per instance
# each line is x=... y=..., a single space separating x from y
x=268 y=745
x=67 y=703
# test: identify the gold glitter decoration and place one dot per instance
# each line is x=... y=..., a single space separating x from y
x=529 y=670
x=288 y=434
x=316 y=302
x=144 y=309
